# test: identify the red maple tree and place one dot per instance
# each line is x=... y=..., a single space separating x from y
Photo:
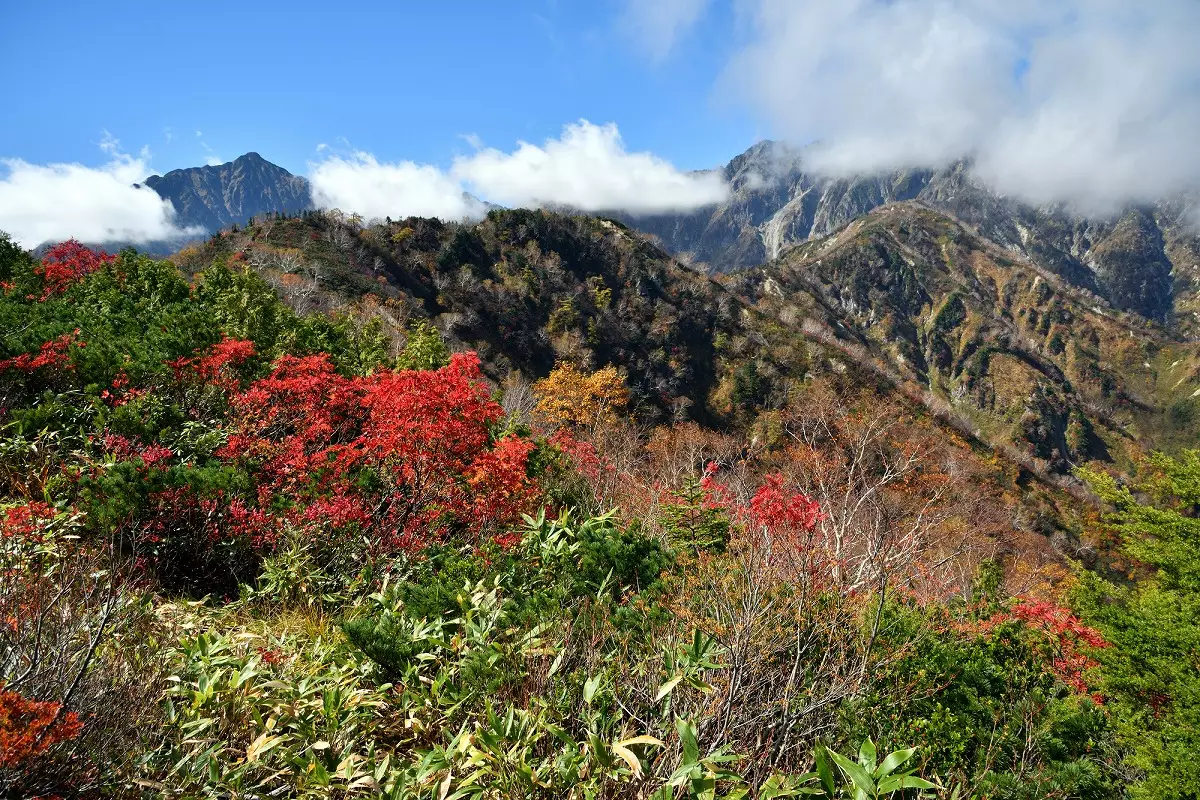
x=407 y=455
x=68 y=263
x=28 y=728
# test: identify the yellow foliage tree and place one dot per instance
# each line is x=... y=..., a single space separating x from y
x=568 y=396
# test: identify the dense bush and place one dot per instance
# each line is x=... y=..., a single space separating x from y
x=248 y=552
x=1152 y=672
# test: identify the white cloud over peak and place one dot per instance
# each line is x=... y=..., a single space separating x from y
x=53 y=202
x=1093 y=102
x=361 y=184
x=587 y=168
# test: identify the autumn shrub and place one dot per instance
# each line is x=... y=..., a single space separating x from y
x=28 y=728
x=982 y=697
x=68 y=263
x=404 y=457
x=569 y=396
x=78 y=662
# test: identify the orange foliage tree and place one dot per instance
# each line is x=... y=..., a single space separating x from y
x=570 y=397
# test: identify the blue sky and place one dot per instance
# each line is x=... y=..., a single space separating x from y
x=401 y=80
x=392 y=109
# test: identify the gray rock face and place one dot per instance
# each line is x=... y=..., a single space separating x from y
x=776 y=203
x=217 y=197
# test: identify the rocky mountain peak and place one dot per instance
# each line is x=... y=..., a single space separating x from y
x=777 y=202
x=217 y=196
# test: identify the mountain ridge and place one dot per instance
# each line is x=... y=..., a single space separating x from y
x=1141 y=258
x=1144 y=259
x=1008 y=352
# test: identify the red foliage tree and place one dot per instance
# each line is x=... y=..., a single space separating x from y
x=1066 y=637
x=68 y=263
x=26 y=522
x=406 y=455
x=1071 y=640
x=217 y=365
x=781 y=525
x=54 y=353
x=782 y=512
x=29 y=728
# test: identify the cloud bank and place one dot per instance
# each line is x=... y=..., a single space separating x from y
x=586 y=168
x=361 y=184
x=53 y=202
x=1093 y=102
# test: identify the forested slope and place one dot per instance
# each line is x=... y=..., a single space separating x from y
x=270 y=528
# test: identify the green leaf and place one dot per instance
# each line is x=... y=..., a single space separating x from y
x=825 y=772
x=590 y=687
x=899 y=783
x=857 y=775
x=777 y=786
x=893 y=761
x=866 y=755
x=687 y=737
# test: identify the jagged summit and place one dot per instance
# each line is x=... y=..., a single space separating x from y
x=215 y=197
x=1142 y=259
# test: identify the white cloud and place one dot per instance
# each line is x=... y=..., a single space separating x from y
x=1093 y=102
x=658 y=25
x=52 y=202
x=587 y=168
x=361 y=184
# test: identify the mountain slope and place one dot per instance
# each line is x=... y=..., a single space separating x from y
x=905 y=299
x=525 y=289
x=216 y=197
x=1019 y=354
x=1142 y=260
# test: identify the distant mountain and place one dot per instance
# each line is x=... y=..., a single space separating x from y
x=1143 y=260
x=231 y=194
